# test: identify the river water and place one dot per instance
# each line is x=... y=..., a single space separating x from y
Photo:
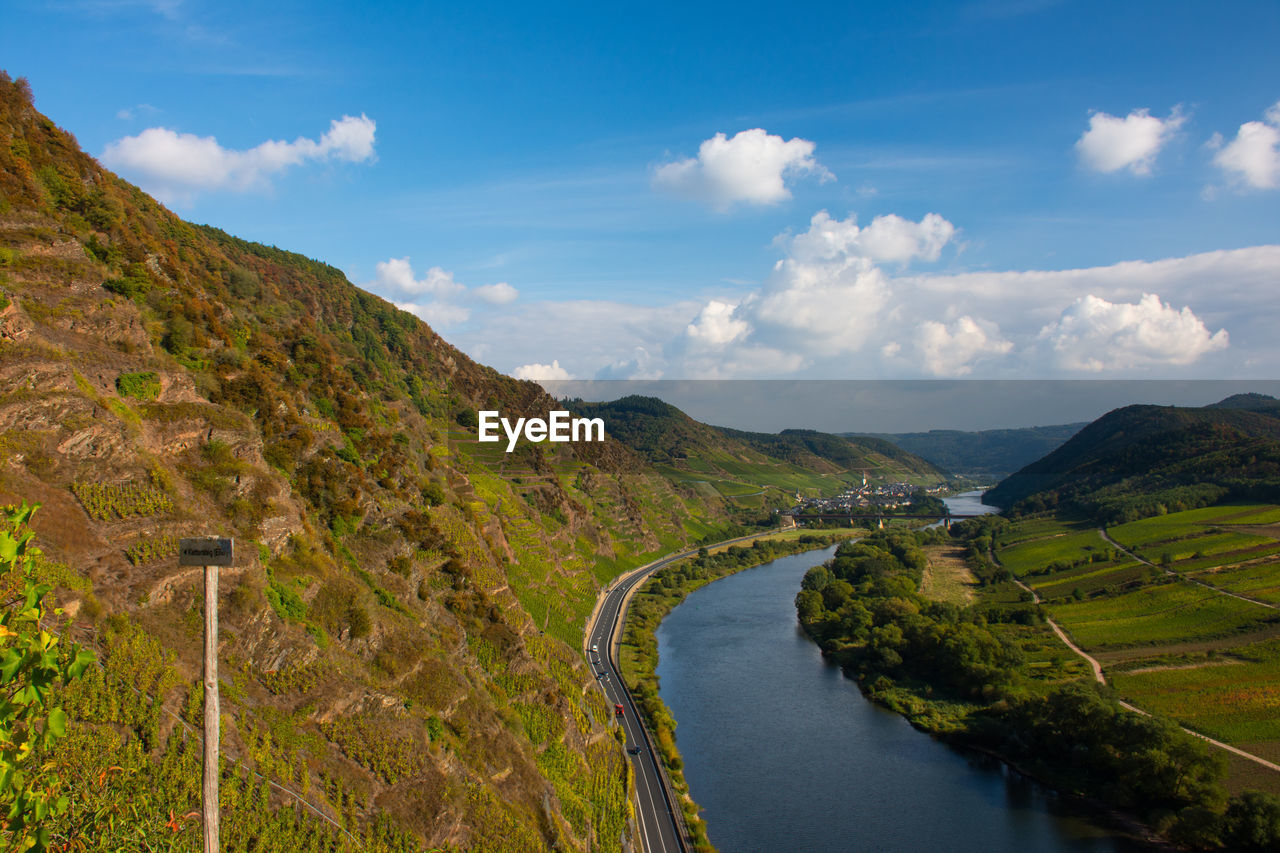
x=785 y=754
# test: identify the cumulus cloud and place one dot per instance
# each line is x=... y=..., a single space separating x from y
x=827 y=295
x=1253 y=157
x=827 y=310
x=752 y=167
x=539 y=372
x=438 y=315
x=176 y=165
x=1112 y=143
x=715 y=324
x=951 y=350
x=497 y=294
x=887 y=238
x=1095 y=335
x=436 y=297
x=396 y=274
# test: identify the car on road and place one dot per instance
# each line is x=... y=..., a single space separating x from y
x=617 y=709
x=634 y=750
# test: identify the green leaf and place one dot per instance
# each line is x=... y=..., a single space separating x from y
x=10 y=662
x=8 y=548
x=84 y=657
x=57 y=724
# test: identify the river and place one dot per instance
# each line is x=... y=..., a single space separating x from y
x=785 y=754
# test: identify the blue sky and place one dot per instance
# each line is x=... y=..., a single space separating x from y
x=551 y=173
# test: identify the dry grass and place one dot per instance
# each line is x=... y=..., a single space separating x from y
x=947 y=577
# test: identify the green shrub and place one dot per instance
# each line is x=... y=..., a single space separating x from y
x=143 y=385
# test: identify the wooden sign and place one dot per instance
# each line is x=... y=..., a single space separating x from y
x=205 y=552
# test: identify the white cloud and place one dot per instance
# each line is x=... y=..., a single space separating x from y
x=950 y=350
x=750 y=168
x=1094 y=335
x=130 y=113
x=1253 y=157
x=436 y=297
x=827 y=310
x=438 y=315
x=175 y=166
x=826 y=297
x=597 y=337
x=715 y=324
x=497 y=294
x=396 y=275
x=1111 y=143
x=887 y=238
x=538 y=372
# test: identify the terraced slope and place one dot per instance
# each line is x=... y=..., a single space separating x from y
x=400 y=634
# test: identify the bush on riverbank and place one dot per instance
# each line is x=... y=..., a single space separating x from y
x=953 y=672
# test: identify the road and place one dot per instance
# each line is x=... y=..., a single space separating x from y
x=660 y=821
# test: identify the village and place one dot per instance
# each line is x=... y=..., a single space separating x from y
x=882 y=497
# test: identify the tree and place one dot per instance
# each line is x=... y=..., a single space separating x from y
x=1253 y=822
x=32 y=668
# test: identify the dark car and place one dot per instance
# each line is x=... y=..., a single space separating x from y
x=634 y=750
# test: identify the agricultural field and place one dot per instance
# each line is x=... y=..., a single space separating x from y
x=1234 y=696
x=1188 y=651
x=109 y=501
x=1089 y=579
x=1191 y=523
x=947 y=577
x=1046 y=660
x=1062 y=549
x=1255 y=580
x=1163 y=613
x=1038 y=528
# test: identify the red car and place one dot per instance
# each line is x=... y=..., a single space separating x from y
x=617 y=709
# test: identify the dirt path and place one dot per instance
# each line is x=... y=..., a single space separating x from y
x=1102 y=531
x=1101 y=679
x=1062 y=635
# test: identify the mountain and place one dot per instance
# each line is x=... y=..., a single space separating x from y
x=1253 y=401
x=401 y=633
x=987 y=454
x=1142 y=460
x=751 y=468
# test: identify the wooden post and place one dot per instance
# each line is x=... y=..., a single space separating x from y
x=209 y=553
x=209 y=786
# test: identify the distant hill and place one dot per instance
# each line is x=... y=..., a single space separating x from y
x=768 y=468
x=1140 y=460
x=1252 y=401
x=987 y=454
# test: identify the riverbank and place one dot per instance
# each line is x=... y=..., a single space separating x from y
x=981 y=677
x=638 y=653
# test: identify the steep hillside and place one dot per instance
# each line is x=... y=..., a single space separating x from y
x=987 y=454
x=752 y=469
x=1144 y=460
x=400 y=634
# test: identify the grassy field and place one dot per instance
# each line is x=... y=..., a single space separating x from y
x=1055 y=548
x=1237 y=701
x=1090 y=579
x=1160 y=613
x=1181 y=525
x=947 y=577
x=1173 y=647
x=1255 y=580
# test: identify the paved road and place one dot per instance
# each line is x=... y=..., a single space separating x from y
x=657 y=810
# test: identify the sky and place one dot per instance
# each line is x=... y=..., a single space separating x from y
x=995 y=189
